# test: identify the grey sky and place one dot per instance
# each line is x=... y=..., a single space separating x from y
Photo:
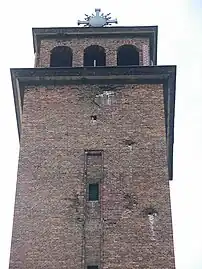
x=179 y=42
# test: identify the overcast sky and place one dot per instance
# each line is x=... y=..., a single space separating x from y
x=179 y=43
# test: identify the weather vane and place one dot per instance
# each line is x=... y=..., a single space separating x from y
x=97 y=20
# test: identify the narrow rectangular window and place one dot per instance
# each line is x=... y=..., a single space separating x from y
x=93 y=191
x=92 y=267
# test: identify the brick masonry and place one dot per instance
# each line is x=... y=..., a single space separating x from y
x=50 y=208
x=79 y=44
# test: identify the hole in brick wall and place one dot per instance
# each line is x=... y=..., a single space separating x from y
x=79 y=219
x=129 y=143
x=150 y=212
x=93 y=118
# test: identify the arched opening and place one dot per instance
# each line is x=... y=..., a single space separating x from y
x=127 y=55
x=94 y=56
x=61 y=56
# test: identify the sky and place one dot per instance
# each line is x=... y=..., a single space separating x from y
x=179 y=43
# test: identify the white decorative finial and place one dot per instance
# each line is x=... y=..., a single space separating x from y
x=97 y=20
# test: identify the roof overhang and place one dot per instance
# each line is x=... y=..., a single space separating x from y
x=165 y=75
x=150 y=32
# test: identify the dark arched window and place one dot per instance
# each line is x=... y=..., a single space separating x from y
x=94 y=56
x=61 y=56
x=127 y=55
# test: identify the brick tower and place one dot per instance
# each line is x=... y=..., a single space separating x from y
x=96 y=122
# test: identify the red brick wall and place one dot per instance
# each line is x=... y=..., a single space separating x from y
x=78 y=45
x=50 y=211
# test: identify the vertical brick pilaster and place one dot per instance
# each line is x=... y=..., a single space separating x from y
x=145 y=55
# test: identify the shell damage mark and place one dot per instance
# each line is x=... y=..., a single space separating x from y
x=152 y=215
x=105 y=98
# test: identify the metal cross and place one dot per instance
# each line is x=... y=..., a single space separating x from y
x=97 y=20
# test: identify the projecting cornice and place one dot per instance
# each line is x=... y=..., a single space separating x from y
x=166 y=75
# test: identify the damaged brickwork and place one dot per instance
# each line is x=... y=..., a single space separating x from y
x=50 y=210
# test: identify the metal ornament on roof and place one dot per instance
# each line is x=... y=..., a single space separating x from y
x=97 y=20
